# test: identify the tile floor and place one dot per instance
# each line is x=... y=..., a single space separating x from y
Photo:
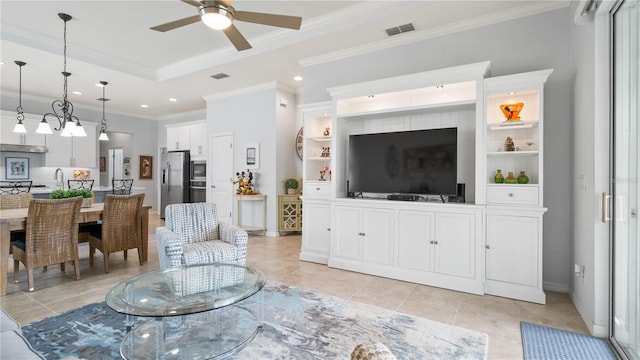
x=278 y=258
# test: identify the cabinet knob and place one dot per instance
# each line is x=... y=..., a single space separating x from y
x=435 y=242
x=510 y=194
x=488 y=247
x=328 y=229
x=317 y=189
x=431 y=241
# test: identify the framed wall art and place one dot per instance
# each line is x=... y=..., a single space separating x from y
x=146 y=167
x=252 y=156
x=17 y=168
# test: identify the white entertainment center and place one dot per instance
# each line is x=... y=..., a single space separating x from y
x=491 y=243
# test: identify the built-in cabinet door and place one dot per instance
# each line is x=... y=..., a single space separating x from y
x=317 y=228
x=348 y=236
x=198 y=141
x=512 y=249
x=178 y=138
x=59 y=150
x=415 y=240
x=30 y=122
x=378 y=235
x=455 y=244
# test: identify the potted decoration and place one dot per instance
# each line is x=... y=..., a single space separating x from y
x=291 y=185
x=64 y=194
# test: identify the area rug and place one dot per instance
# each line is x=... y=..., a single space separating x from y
x=298 y=324
x=546 y=343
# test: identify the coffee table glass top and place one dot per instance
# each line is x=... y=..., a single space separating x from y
x=185 y=290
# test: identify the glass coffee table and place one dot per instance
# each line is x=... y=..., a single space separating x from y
x=198 y=312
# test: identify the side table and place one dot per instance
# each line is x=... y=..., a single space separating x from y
x=257 y=197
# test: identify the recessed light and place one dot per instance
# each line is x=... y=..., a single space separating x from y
x=297 y=78
x=172 y=100
x=76 y=92
x=1 y=62
x=512 y=93
x=144 y=106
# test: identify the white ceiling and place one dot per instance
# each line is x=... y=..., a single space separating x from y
x=111 y=41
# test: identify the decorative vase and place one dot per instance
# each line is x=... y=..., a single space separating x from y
x=510 y=179
x=512 y=111
x=499 y=178
x=291 y=191
x=523 y=178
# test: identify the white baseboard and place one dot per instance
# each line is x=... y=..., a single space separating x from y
x=557 y=287
x=595 y=330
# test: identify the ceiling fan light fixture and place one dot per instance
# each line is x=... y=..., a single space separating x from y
x=216 y=17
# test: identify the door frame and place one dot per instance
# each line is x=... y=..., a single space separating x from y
x=210 y=166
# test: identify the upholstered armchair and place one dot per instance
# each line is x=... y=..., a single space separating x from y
x=193 y=235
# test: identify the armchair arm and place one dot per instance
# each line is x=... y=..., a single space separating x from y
x=236 y=236
x=169 y=247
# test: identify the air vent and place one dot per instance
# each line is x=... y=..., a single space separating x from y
x=400 y=29
x=219 y=76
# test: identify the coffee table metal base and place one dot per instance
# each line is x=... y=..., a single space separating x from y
x=208 y=335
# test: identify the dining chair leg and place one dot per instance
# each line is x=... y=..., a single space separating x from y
x=92 y=251
x=106 y=262
x=61 y=267
x=16 y=269
x=140 y=255
x=125 y=254
x=44 y=268
x=30 y=279
x=76 y=266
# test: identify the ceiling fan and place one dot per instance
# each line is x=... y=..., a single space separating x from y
x=219 y=15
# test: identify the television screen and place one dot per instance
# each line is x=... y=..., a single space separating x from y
x=408 y=162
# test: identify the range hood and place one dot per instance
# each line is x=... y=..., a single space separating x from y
x=34 y=149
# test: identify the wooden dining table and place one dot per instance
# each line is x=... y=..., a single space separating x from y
x=16 y=219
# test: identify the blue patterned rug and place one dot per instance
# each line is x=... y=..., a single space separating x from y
x=546 y=343
x=298 y=324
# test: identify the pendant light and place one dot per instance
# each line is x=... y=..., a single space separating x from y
x=103 y=123
x=63 y=109
x=19 y=128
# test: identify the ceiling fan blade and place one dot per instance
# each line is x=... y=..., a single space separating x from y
x=176 y=24
x=236 y=38
x=285 y=21
x=192 y=3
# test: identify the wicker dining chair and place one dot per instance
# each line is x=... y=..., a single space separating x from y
x=15 y=201
x=80 y=184
x=51 y=237
x=121 y=186
x=120 y=229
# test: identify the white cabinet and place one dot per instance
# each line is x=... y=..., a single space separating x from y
x=514 y=254
x=178 y=138
x=191 y=136
x=73 y=151
x=365 y=234
x=8 y=122
x=317 y=168
x=514 y=139
x=443 y=243
x=198 y=141
x=316 y=233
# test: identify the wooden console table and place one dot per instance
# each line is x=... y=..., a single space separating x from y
x=262 y=198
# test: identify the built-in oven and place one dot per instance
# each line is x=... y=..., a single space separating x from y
x=198 y=191
x=199 y=170
x=198 y=181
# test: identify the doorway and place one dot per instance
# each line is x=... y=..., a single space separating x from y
x=220 y=173
x=624 y=185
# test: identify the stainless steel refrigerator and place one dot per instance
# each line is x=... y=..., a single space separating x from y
x=174 y=179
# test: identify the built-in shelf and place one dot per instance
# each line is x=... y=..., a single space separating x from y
x=513 y=153
x=320 y=138
x=509 y=125
x=319 y=158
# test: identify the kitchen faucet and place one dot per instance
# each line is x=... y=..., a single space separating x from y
x=60 y=184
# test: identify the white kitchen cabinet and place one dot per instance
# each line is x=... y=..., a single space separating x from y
x=178 y=138
x=198 y=141
x=31 y=121
x=316 y=233
x=73 y=151
x=514 y=254
x=188 y=136
x=365 y=234
x=415 y=240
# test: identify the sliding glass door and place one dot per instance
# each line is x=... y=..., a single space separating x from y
x=625 y=255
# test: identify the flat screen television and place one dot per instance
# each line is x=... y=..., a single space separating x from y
x=408 y=162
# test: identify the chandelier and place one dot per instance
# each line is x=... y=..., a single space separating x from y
x=68 y=123
x=103 y=123
x=19 y=128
